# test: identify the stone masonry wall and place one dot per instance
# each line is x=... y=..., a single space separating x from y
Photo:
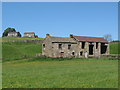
x=52 y=49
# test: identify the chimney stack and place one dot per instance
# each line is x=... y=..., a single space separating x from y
x=47 y=35
x=71 y=35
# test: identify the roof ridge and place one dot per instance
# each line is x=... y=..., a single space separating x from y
x=88 y=36
x=59 y=37
x=90 y=39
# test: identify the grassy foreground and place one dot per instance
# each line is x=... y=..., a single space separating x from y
x=75 y=73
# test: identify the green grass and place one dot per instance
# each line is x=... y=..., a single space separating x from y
x=115 y=48
x=19 y=50
x=23 y=70
x=0 y=48
x=73 y=73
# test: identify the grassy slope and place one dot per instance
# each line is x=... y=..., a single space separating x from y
x=13 y=50
x=61 y=74
x=0 y=48
x=115 y=48
x=18 y=50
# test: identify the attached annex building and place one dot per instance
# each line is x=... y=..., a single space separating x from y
x=74 y=46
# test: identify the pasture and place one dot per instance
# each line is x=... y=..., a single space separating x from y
x=22 y=70
x=115 y=48
x=22 y=50
x=73 y=73
x=19 y=50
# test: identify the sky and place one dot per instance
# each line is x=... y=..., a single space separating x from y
x=61 y=19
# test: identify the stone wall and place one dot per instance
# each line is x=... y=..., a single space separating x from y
x=26 y=41
x=111 y=56
x=51 y=49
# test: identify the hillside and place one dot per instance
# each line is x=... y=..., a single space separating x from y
x=19 y=50
x=115 y=48
x=22 y=50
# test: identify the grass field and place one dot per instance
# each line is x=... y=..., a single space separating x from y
x=74 y=73
x=19 y=50
x=115 y=48
x=23 y=70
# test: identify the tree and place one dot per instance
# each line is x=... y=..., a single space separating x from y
x=5 y=33
x=108 y=37
x=19 y=35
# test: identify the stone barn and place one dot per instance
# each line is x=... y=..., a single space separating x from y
x=74 y=46
x=13 y=34
x=29 y=34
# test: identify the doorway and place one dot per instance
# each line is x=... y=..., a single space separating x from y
x=62 y=54
x=103 y=48
x=91 y=49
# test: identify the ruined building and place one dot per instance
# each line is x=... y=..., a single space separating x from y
x=74 y=46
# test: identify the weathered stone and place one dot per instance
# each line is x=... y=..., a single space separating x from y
x=74 y=47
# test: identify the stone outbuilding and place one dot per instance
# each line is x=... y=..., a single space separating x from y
x=29 y=34
x=14 y=34
x=74 y=46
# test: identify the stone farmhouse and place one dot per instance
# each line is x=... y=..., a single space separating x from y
x=29 y=34
x=13 y=34
x=74 y=46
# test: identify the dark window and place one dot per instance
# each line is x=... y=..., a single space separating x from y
x=73 y=53
x=103 y=48
x=96 y=45
x=83 y=45
x=43 y=45
x=69 y=46
x=81 y=53
x=60 y=46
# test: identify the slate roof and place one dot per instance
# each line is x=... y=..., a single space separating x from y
x=29 y=33
x=90 y=39
x=62 y=39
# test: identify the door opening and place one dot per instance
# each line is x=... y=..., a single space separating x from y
x=91 y=49
x=62 y=54
x=103 y=48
